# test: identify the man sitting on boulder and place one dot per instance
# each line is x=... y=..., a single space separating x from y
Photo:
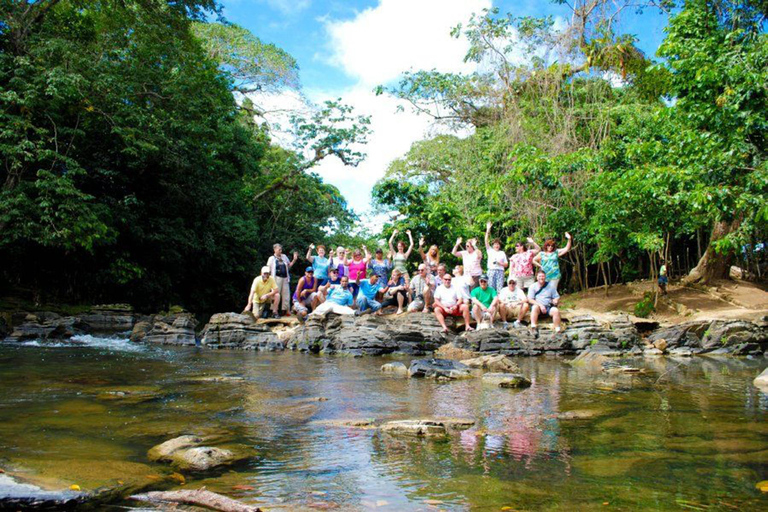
x=512 y=301
x=263 y=292
x=338 y=300
x=484 y=301
x=421 y=290
x=448 y=303
x=543 y=298
x=366 y=297
x=333 y=281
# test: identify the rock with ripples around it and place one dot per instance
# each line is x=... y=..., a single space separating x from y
x=429 y=427
x=761 y=381
x=186 y=454
x=239 y=331
x=507 y=380
x=441 y=369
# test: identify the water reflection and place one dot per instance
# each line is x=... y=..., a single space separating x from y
x=689 y=431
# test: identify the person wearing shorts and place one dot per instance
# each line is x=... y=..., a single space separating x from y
x=305 y=297
x=448 y=303
x=512 y=302
x=521 y=264
x=421 y=289
x=543 y=298
x=263 y=294
x=484 y=301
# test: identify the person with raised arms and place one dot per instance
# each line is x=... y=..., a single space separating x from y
x=432 y=256
x=356 y=266
x=280 y=268
x=512 y=301
x=471 y=258
x=521 y=263
x=320 y=263
x=339 y=300
x=380 y=265
x=484 y=301
x=366 y=298
x=401 y=255
x=543 y=298
x=448 y=303
x=305 y=297
x=549 y=259
x=337 y=261
x=497 y=260
x=263 y=293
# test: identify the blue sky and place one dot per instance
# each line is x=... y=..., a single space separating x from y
x=345 y=48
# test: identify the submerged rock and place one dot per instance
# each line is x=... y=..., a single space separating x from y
x=430 y=427
x=578 y=414
x=507 y=380
x=493 y=363
x=358 y=423
x=439 y=369
x=398 y=368
x=761 y=381
x=16 y=495
x=236 y=331
x=186 y=454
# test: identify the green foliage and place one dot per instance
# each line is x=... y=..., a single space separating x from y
x=645 y=306
x=130 y=173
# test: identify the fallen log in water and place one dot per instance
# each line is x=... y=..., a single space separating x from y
x=200 y=497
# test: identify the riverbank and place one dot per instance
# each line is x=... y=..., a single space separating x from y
x=731 y=319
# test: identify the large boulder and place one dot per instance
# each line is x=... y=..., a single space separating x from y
x=48 y=326
x=428 y=427
x=443 y=369
x=186 y=453
x=110 y=318
x=175 y=329
x=736 y=334
x=414 y=334
x=236 y=331
x=493 y=363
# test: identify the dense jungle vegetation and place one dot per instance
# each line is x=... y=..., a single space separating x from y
x=131 y=170
x=134 y=168
x=576 y=129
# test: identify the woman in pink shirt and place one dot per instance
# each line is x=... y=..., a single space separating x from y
x=472 y=260
x=357 y=267
x=521 y=264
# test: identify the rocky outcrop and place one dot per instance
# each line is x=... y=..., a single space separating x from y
x=414 y=334
x=442 y=369
x=734 y=337
x=236 y=331
x=431 y=427
x=110 y=318
x=48 y=326
x=174 y=329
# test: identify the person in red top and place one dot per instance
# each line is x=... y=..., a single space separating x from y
x=357 y=267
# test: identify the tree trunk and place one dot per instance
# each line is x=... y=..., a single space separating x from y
x=713 y=265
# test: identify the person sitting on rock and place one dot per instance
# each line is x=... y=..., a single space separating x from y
x=543 y=298
x=422 y=286
x=484 y=301
x=366 y=298
x=472 y=260
x=339 y=300
x=462 y=284
x=397 y=292
x=497 y=260
x=263 y=293
x=449 y=303
x=305 y=297
x=512 y=301
x=320 y=263
x=439 y=273
x=333 y=280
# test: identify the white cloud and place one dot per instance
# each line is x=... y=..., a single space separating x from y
x=398 y=35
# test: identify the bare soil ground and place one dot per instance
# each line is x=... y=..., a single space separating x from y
x=725 y=300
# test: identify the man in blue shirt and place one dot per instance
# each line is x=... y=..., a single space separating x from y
x=339 y=300
x=543 y=298
x=366 y=299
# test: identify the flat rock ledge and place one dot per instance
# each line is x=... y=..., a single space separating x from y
x=433 y=428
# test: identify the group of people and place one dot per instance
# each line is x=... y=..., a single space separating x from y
x=357 y=282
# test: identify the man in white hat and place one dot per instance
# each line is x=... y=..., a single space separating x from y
x=263 y=292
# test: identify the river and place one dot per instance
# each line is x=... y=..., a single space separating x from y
x=691 y=434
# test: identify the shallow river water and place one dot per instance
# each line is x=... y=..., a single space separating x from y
x=689 y=435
